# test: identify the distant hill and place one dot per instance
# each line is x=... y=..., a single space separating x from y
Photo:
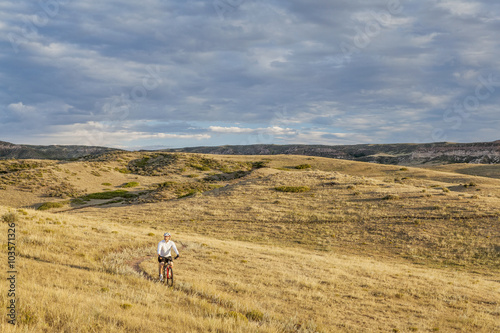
x=54 y=152
x=403 y=154
x=397 y=154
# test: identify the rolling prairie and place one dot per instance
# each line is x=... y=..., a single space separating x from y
x=277 y=243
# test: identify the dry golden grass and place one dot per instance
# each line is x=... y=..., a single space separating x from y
x=337 y=258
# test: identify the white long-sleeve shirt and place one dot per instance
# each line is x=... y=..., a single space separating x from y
x=165 y=247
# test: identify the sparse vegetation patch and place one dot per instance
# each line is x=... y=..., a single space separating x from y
x=63 y=190
x=182 y=190
x=154 y=164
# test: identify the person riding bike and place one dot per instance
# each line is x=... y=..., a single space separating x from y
x=163 y=251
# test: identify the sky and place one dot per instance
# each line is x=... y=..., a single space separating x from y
x=167 y=74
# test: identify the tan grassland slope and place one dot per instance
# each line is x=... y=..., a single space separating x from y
x=276 y=243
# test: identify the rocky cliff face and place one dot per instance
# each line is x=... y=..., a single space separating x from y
x=9 y=150
x=404 y=154
x=486 y=153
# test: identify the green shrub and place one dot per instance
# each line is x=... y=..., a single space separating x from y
x=236 y=315
x=199 y=167
x=50 y=205
x=294 y=189
x=190 y=193
x=126 y=306
x=108 y=195
x=22 y=211
x=107 y=184
x=78 y=201
x=260 y=164
x=391 y=197
x=303 y=166
x=167 y=184
x=142 y=162
x=10 y=217
x=122 y=170
x=130 y=184
x=255 y=315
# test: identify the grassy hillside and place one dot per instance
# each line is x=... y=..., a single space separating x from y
x=268 y=244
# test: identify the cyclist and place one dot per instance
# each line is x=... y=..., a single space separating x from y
x=163 y=251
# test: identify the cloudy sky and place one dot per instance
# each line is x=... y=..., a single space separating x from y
x=165 y=73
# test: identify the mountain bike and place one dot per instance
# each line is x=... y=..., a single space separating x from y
x=168 y=272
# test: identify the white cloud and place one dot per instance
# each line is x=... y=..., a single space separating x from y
x=100 y=134
x=220 y=129
x=460 y=7
x=273 y=130
x=21 y=109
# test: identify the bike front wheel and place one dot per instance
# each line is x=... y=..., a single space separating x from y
x=169 y=277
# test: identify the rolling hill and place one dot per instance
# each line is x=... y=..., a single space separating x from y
x=55 y=152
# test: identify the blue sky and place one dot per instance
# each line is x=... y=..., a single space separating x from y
x=163 y=73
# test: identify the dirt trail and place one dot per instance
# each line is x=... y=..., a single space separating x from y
x=136 y=266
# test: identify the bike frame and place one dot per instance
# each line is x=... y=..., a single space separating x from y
x=168 y=273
